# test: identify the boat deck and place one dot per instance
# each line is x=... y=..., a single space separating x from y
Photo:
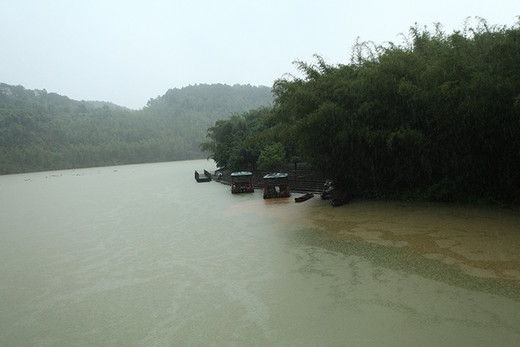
x=202 y=176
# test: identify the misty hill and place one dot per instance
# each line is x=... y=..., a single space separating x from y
x=47 y=131
x=10 y=95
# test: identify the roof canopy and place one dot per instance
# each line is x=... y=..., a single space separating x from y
x=241 y=173
x=275 y=175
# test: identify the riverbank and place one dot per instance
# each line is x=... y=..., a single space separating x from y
x=481 y=241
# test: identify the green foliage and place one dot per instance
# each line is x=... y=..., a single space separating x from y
x=436 y=118
x=236 y=143
x=46 y=131
x=272 y=156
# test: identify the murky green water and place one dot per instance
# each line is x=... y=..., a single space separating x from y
x=143 y=255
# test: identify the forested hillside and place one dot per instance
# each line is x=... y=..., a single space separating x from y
x=46 y=131
x=436 y=118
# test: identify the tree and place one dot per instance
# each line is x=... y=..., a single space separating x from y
x=272 y=156
x=43 y=131
x=437 y=118
x=235 y=144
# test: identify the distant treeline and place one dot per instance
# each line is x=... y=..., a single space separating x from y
x=435 y=118
x=46 y=131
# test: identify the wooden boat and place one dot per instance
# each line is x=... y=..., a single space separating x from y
x=304 y=197
x=276 y=185
x=242 y=182
x=204 y=176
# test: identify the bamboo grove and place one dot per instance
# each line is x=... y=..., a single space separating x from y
x=435 y=118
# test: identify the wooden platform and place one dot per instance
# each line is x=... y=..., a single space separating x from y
x=301 y=179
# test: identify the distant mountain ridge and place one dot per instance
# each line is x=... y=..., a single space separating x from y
x=45 y=131
x=214 y=99
x=42 y=96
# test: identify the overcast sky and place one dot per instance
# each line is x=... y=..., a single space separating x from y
x=127 y=51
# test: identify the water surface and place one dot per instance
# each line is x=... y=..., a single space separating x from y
x=143 y=255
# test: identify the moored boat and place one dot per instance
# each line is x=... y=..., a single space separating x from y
x=242 y=182
x=204 y=176
x=276 y=185
x=304 y=197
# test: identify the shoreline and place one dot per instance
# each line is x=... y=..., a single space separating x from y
x=480 y=241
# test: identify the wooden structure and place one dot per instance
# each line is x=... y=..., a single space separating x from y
x=242 y=182
x=276 y=185
x=204 y=176
x=304 y=197
x=301 y=178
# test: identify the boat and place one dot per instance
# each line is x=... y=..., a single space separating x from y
x=203 y=176
x=276 y=185
x=304 y=197
x=242 y=182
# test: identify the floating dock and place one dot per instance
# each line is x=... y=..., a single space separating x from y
x=203 y=176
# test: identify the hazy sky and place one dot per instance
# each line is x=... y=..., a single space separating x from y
x=127 y=51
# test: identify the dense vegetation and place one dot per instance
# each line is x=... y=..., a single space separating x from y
x=437 y=118
x=45 y=131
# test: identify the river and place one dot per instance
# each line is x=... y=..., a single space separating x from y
x=142 y=255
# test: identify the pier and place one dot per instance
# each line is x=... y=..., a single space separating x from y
x=301 y=178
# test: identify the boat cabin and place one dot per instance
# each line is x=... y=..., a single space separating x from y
x=276 y=185
x=242 y=182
